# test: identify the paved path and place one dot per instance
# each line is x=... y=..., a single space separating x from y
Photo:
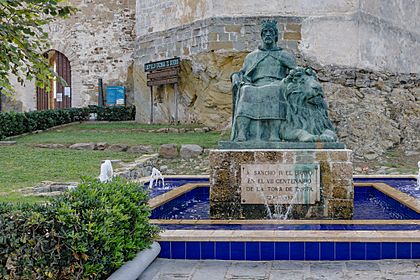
x=164 y=269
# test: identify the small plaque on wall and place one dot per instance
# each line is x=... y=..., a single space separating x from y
x=67 y=91
x=280 y=183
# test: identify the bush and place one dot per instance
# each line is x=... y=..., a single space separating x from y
x=18 y=123
x=12 y=123
x=114 y=113
x=85 y=233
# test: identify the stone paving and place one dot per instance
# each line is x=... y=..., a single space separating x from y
x=164 y=269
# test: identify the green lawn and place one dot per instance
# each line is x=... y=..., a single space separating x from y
x=121 y=133
x=23 y=165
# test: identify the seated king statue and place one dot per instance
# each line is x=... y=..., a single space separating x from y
x=259 y=106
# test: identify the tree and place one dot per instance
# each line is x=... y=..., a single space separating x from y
x=23 y=39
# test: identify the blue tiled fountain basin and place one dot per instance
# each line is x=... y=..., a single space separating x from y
x=256 y=251
x=408 y=185
x=369 y=204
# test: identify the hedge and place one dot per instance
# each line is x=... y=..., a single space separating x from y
x=86 y=233
x=114 y=113
x=12 y=123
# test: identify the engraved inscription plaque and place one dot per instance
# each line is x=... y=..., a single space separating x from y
x=280 y=183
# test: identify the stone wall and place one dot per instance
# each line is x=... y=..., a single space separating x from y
x=373 y=110
x=379 y=35
x=390 y=35
x=161 y=15
x=98 y=40
x=211 y=50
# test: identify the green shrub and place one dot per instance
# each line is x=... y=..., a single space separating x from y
x=85 y=233
x=12 y=123
x=114 y=113
x=18 y=123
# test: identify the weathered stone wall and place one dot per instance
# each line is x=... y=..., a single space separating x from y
x=98 y=40
x=379 y=35
x=160 y=15
x=390 y=35
x=212 y=49
x=361 y=50
x=22 y=100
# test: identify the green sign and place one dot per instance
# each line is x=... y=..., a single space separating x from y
x=162 y=64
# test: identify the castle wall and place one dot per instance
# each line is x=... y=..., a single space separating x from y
x=364 y=52
x=98 y=41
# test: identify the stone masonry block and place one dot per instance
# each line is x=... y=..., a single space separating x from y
x=271 y=157
x=342 y=169
x=214 y=46
x=296 y=36
x=233 y=28
x=340 y=208
x=212 y=36
x=295 y=27
x=340 y=156
x=321 y=156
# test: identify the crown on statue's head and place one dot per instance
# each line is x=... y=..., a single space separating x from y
x=268 y=23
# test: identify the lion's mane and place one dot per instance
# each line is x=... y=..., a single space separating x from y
x=307 y=109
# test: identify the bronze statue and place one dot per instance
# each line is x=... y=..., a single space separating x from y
x=274 y=100
x=258 y=103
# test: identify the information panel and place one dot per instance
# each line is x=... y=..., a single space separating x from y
x=280 y=183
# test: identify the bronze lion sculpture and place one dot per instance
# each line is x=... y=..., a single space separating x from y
x=307 y=113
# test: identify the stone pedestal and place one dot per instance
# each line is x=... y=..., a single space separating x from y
x=244 y=182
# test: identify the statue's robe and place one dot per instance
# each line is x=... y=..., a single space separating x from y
x=260 y=96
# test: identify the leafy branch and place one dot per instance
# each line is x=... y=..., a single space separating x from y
x=23 y=40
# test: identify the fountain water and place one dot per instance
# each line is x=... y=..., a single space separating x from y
x=418 y=177
x=155 y=177
x=106 y=171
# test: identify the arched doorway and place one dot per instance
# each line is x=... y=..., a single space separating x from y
x=59 y=95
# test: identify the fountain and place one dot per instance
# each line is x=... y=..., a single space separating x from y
x=106 y=171
x=283 y=153
x=155 y=177
x=418 y=177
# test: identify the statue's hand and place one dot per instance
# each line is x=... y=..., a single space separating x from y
x=236 y=78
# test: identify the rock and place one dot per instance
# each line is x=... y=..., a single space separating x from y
x=190 y=151
x=163 y=168
x=168 y=151
x=173 y=130
x=141 y=149
x=358 y=169
x=51 y=187
x=101 y=146
x=199 y=130
x=412 y=153
x=112 y=160
x=117 y=148
x=83 y=146
x=51 y=146
x=371 y=156
x=162 y=130
x=7 y=143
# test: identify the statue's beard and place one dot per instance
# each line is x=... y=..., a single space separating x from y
x=268 y=41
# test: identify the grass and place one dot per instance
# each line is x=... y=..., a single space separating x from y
x=124 y=133
x=23 y=165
